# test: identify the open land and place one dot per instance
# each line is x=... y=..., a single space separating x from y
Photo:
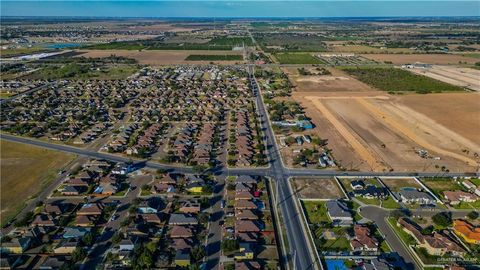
x=318 y=188
x=437 y=59
x=464 y=77
x=25 y=170
x=158 y=57
x=395 y=184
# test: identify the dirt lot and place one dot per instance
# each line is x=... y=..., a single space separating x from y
x=24 y=171
x=457 y=111
x=339 y=81
x=395 y=184
x=318 y=188
x=158 y=57
x=386 y=135
x=437 y=59
x=465 y=77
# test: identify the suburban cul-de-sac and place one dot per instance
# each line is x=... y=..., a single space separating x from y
x=251 y=143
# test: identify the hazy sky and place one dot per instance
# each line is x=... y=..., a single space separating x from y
x=224 y=8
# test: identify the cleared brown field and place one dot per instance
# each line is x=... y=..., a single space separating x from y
x=465 y=77
x=339 y=81
x=460 y=112
x=318 y=188
x=159 y=57
x=25 y=170
x=386 y=135
x=437 y=59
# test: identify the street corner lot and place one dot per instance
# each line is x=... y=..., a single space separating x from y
x=160 y=57
x=317 y=188
x=395 y=184
x=437 y=59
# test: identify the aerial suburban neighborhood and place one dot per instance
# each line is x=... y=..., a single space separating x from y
x=239 y=143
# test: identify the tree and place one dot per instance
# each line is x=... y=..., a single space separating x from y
x=78 y=254
x=87 y=239
x=442 y=219
x=197 y=252
x=473 y=215
x=230 y=245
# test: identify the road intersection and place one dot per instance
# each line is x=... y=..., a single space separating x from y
x=301 y=253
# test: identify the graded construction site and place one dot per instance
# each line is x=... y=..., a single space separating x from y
x=368 y=129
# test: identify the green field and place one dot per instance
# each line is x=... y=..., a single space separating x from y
x=25 y=171
x=83 y=71
x=316 y=212
x=440 y=184
x=398 y=80
x=212 y=57
x=297 y=58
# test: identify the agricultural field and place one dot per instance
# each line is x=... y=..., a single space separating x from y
x=164 y=57
x=296 y=58
x=398 y=80
x=220 y=57
x=317 y=188
x=21 y=51
x=25 y=171
x=363 y=49
x=463 y=77
x=435 y=59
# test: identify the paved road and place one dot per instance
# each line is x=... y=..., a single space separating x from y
x=214 y=238
x=297 y=237
x=379 y=216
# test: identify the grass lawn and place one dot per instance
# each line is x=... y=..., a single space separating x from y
x=25 y=171
x=475 y=181
x=389 y=203
x=465 y=205
x=399 y=80
x=340 y=243
x=297 y=58
x=316 y=212
x=440 y=184
x=406 y=238
x=5 y=95
x=219 y=57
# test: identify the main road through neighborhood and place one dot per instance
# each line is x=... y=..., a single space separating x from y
x=301 y=254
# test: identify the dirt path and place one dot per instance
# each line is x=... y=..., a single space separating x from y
x=410 y=134
x=363 y=152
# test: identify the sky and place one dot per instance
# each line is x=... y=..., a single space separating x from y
x=242 y=9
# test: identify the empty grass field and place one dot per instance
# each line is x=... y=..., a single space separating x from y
x=398 y=80
x=213 y=57
x=316 y=211
x=25 y=170
x=297 y=58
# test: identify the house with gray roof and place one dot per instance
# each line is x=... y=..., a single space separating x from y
x=410 y=195
x=339 y=213
x=182 y=219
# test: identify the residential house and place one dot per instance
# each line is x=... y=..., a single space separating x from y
x=66 y=246
x=247 y=265
x=75 y=232
x=190 y=207
x=245 y=252
x=182 y=219
x=16 y=245
x=244 y=205
x=410 y=195
x=339 y=213
x=437 y=244
x=467 y=231
x=363 y=240
x=182 y=258
x=372 y=192
x=181 y=232
x=458 y=196
x=245 y=226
